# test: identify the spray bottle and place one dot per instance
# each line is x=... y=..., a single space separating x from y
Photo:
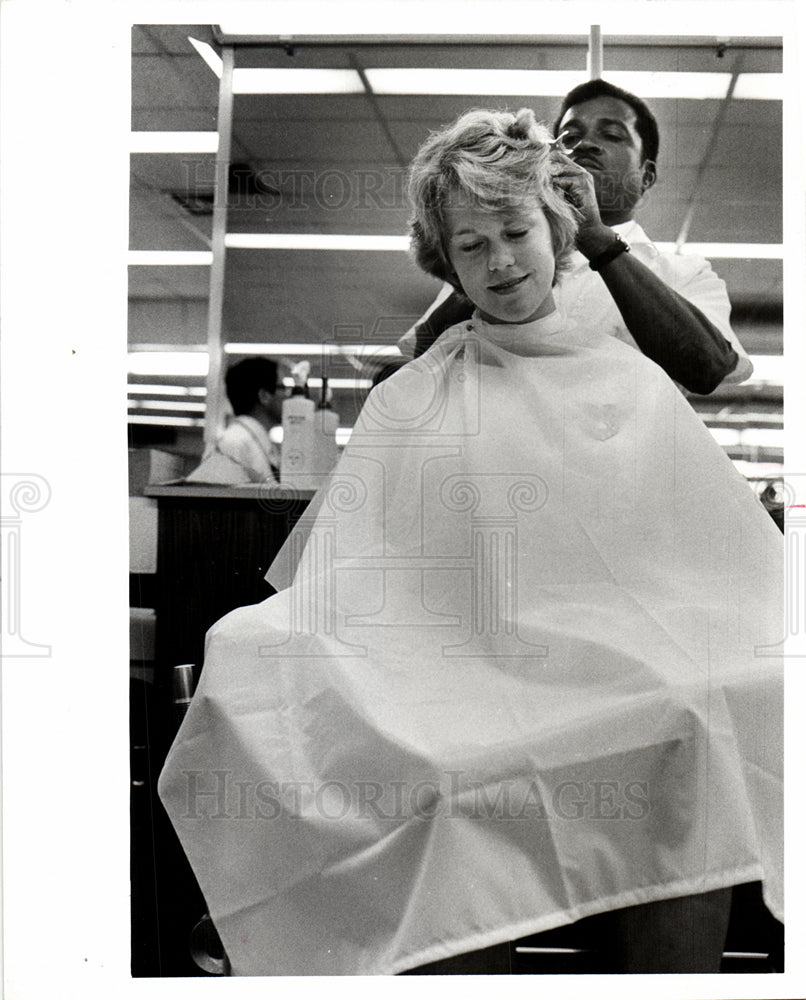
x=297 y=452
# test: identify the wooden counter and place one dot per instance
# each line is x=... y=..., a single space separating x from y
x=214 y=546
x=248 y=491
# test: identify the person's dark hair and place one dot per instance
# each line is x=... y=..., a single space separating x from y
x=246 y=378
x=645 y=123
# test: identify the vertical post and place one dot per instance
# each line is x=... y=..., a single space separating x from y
x=215 y=400
x=595 y=52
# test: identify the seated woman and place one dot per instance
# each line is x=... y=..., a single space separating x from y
x=516 y=674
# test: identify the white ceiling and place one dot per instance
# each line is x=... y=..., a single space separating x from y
x=343 y=138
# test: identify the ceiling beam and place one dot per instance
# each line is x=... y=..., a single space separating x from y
x=167 y=202
x=402 y=161
x=682 y=236
x=646 y=41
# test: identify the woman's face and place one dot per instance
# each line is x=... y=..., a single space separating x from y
x=504 y=259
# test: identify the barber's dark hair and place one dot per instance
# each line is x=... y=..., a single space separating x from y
x=645 y=124
x=245 y=379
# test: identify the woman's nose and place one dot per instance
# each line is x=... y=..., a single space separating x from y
x=499 y=256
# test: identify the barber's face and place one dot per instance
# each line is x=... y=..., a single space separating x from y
x=602 y=138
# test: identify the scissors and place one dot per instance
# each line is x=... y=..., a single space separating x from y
x=558 y=142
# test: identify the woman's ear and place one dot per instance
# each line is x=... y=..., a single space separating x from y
x=649 y=175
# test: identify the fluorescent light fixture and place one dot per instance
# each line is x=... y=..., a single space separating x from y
x=524 y=950
x=758 y=470
x=247 y=80
x=144 y=389
x=742 y=419
x=334 y=383
x=166 y=421
x=487 y=82
x=160 y=404
x=313 y=349
x=168 y=347
x=768 y=368
x=746 y=251
x=209 y=55
x=174 y=363
x=313 y=241
x=334 y=241
x=725 y=437
x=760 y=86
x=342 y=435
x=483 y=82
x=170 y=258
x=173 y=142
x=651 y=85
x=753 y=437
x=544 y=83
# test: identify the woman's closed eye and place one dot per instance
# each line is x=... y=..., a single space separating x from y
x=516 y=234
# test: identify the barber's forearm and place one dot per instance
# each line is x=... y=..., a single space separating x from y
x=668 y=328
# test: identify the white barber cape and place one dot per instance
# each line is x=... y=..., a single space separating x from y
x=521 y=674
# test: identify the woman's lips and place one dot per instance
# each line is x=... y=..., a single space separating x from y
x=504 y=287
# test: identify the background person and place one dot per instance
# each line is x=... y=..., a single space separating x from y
x=244 y=453
x=672 y=306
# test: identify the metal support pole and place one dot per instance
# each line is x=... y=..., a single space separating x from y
x=595 y=52
x=214 y=412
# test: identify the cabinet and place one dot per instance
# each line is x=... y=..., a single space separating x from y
x=214 y=545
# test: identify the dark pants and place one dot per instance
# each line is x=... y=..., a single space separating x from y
x=686 y=934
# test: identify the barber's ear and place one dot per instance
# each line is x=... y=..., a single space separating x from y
x=649 y=175
x=265 y=397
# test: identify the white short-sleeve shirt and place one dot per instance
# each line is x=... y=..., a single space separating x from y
x=243 y=453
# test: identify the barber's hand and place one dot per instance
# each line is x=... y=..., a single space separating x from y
x=577 y=185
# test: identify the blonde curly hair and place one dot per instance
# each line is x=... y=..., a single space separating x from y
x=497 y=159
